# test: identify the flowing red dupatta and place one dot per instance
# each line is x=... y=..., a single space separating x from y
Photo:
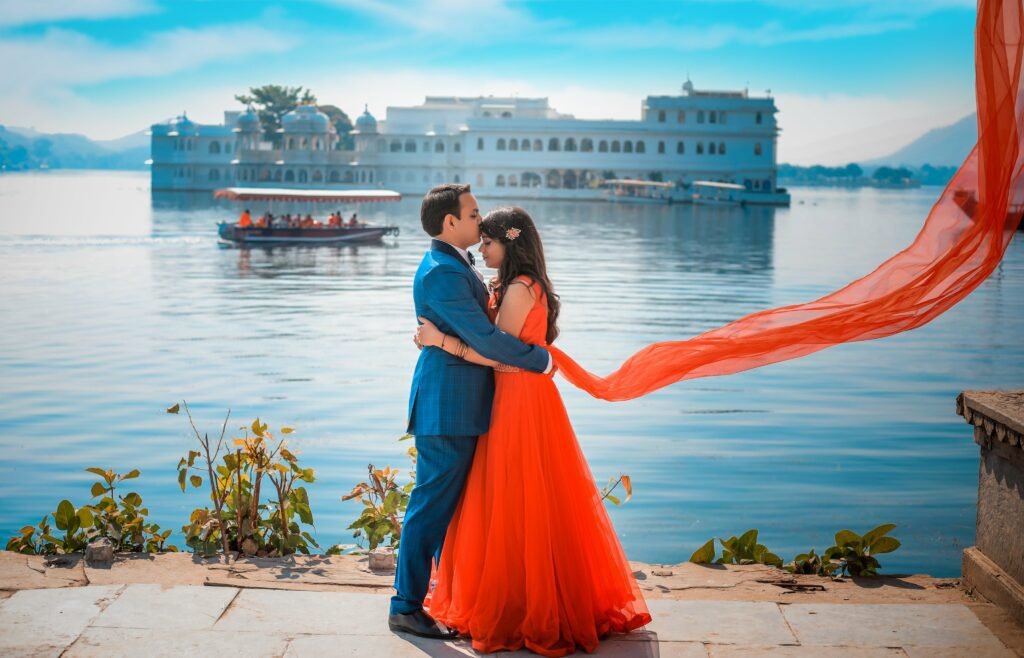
x=963 y=239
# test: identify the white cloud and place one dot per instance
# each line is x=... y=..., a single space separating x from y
x=871 y=8
x=689 y=38
x=458 y=20
x=41 y=87
x=29 y=12
x=837 y=129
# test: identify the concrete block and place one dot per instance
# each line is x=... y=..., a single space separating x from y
x=186 y=607
x=719 y=622
x=43 y=622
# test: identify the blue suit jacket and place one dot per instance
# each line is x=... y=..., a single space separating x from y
x=450 y=396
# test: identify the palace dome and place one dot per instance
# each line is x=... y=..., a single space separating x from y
x=185 y=126
x=366 y=123
x=248 y=120
x=306 y=119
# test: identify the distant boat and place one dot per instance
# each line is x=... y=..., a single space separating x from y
x=313 y=235
x=629 y=190
x=706 y=192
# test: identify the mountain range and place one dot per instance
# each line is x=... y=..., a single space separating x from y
x=945 y=146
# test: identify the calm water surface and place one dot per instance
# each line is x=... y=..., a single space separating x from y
x=115 y=305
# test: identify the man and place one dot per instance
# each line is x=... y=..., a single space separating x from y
x=450 y=402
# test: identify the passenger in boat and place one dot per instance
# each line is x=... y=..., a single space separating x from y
x=308 y=221
x=278 y=222
x=245 y=221
x=262 y=222
x=353 y=221
x=293 y=222
x=335 y=220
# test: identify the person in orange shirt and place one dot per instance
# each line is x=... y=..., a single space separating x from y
x=245 y=221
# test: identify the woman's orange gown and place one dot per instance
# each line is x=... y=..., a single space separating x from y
x=531 y=558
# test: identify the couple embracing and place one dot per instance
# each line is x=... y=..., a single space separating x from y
x=506 y=539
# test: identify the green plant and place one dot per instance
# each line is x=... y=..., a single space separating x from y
x=40 y=540
x=384 y=500
x=741 y=550
x=613 y=483
x=123 y=520
x=239 y=520
x=811 y=564
x=856 y=553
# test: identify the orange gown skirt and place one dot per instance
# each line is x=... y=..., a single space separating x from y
x=531 y=558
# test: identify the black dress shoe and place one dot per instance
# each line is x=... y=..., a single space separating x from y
x=420 y=623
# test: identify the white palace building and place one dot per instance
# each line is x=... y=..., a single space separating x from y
x=502 y=146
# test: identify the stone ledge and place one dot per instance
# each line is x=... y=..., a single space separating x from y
x=989 y=580
x=995 y=415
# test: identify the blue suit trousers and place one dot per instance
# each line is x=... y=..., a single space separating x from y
x=442 y=464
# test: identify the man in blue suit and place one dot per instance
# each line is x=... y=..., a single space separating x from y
x=450 y=402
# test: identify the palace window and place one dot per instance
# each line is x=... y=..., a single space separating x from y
x=333 y=177
x=439 y=146
x=457 y=147
x=506 y=115
x=721 y=117
x=289 y=176
x=538 y=145
x=553 y=144
x=396 y=146
x=457 y=179
x=303 y=176
x=410 y=146
x=681 y=117
x=214 y=174
x=757 y=118
x=525 y=145
x=680 y=148
x=627 y=146
x=602 y=147
x=721 y=148
x=700 y=116
x=616 y=147
x=350 y=178
x=513 y=181
x=661 y=147
x=277 y=175
x=318 y=176
x=214 y=148
x=479 y=180
x=479 y=143
x=513 y=145
x=641 y=147
x=586 y=145
x=501 y=144
x=700 y=148
x=661 y=116
x=570 y=144
x=713 y=116
x=499 y=181
x=711 y=148
x=757 y=148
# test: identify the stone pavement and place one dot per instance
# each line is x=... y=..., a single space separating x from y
x=286 y=611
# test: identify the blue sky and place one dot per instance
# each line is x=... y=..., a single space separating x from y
x=852 y=79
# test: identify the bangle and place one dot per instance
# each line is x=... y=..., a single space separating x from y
x=463 y=350
x=443 y=336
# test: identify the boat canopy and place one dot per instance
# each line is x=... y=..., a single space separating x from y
x=630 y=182
x=723 y=186
x=285 y=194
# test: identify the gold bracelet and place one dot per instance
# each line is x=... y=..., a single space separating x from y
x=463 y=351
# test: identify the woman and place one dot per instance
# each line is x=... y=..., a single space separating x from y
x=531 y=558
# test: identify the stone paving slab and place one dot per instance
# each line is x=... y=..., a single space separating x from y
x=727 y=651
x=155 y=643
x=43 y=622
x=887 y=625
x=407 y=646
x=188 y=607
x=721 y=622
x=317 y=613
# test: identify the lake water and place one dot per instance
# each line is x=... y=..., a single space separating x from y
x=115 y=305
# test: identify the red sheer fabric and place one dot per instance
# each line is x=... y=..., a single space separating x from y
x=963 y=239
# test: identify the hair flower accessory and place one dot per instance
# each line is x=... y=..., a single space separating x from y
x=512 y=233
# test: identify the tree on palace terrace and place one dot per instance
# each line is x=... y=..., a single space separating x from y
x=272 y=102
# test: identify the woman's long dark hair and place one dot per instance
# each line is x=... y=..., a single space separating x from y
x=524 y=256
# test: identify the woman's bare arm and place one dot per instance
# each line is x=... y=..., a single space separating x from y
x=515 y=306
